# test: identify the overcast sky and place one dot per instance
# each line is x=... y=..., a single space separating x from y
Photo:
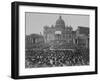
x=36 y=21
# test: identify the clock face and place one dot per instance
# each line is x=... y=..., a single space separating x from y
x=57 y=32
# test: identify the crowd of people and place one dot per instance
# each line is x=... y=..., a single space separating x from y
x=53 y=58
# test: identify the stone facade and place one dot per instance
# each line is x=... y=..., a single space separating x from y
x=82 y=35
x=59 y=32
x=33 y=41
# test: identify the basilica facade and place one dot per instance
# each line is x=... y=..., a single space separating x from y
x=59 y=32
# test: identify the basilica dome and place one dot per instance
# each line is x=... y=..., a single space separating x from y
x=60 y=21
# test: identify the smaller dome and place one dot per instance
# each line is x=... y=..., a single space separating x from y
x=60 y=21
